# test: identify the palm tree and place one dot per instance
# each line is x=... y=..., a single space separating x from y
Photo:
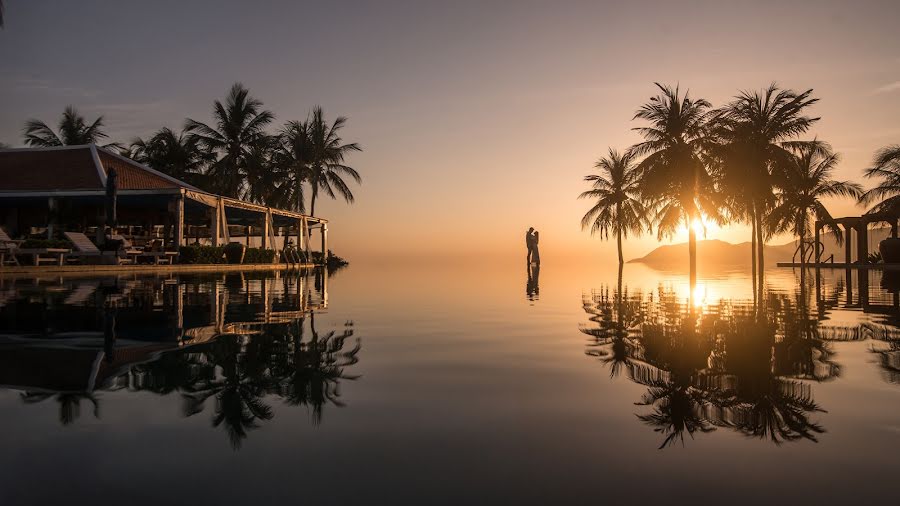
x=326 y=163
x=753 y=143
x=176 y=154
x=802 y=185
x=72 y=127
x=886 y=167
x=673 y=174
x=618 y=206
x=239 y=125
x=294 y=157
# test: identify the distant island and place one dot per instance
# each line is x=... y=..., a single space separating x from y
x=719 y=255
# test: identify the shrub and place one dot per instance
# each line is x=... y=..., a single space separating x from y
x=259 y=256
x=196 y=254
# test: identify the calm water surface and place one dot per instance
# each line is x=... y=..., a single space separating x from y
x=448 y=385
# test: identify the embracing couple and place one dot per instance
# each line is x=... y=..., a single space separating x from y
x=531 y=242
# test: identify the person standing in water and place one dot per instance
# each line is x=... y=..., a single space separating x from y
x=535 y=254
x=529 y=244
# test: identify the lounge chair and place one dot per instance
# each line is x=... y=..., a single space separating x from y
x=8 y=249
x=85 y=249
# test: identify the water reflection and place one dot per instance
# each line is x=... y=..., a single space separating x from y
x=238 y=342
x=532 y=289
x=739 y=365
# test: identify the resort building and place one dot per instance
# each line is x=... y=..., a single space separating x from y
x=44 y=191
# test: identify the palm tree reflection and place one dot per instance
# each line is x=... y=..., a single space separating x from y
x=243 y=373
x=69 y=403
x=246 y=347
x=731 y=366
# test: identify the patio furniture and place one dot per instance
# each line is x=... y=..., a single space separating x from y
x=7 y=249
x=44 y=255
x=130 y=251
x=158 y=255
x=86 y=249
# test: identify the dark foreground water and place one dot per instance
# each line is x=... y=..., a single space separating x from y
x=450 y=385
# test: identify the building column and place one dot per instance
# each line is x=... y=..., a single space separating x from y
x=264 y=241
x=215 y=224
x=179 y=221
x=299 y=235
x=818 y=253
x=848 y=233
x=52 y=213
x=862 y=243
x=324 y=243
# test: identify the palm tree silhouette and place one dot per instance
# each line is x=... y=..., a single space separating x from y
x=176 y=154
x=753 y=135
x=886 y=167
x=294 y=158
x=673 y=174
x=239 y=126
x=73 y=130
x=326 y=160
x=616 y=190
x=803 y=183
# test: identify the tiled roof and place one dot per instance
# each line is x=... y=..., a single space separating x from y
x=57 y=169
x=74 y=168
x=132 y=175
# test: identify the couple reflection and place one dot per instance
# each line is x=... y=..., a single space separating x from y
x=731 y=366
x=532 y=289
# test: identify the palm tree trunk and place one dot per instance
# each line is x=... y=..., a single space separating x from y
x=803 y=255
x=692 y=252
x=312 y=205
x=753 y=245
x=619 y=241
x=760 y=244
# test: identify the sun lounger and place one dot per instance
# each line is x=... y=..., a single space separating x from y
x=44 y=255
x=85 y=249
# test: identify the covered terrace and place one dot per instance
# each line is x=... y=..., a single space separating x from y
x=44 y=191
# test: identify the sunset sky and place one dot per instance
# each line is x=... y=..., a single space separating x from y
x=477 y=119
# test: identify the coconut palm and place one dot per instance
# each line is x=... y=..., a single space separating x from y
x=176 y=154
x=294 y=157
x=239 y=125
x=616 y=190
x=802 y=184
x=326 y=163
x=73 y=130
x=754 y=135
x=672 y=173
x=885 y=167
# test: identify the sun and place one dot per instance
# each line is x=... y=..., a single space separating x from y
x=703 y=227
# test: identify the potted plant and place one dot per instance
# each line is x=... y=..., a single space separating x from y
x=234 y=252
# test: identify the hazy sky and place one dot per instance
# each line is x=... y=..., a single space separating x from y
x=478 y=119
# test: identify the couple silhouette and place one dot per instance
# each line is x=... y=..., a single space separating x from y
x=531 y=242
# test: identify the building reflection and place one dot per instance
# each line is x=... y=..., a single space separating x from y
x=227 y=344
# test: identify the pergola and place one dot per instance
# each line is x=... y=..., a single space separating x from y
x=861 y=225
x=66 y=187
